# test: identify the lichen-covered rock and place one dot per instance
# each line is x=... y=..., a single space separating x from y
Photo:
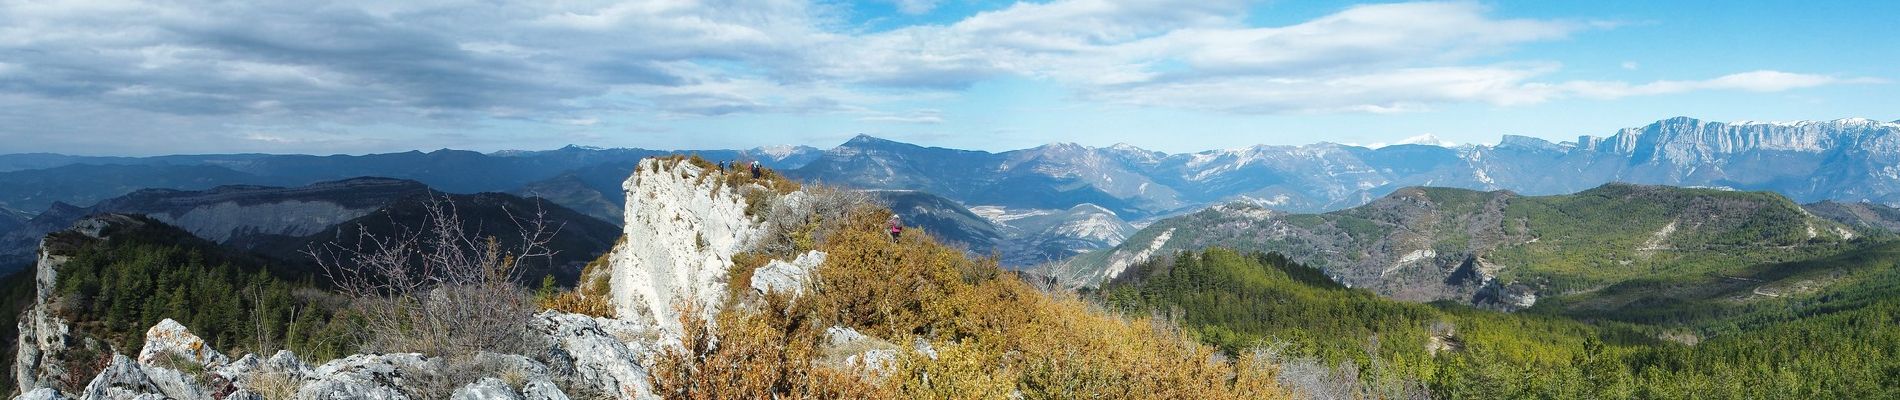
x=780 y=276
x=366 y=376
x=284 y=360
x=41 y=394
x=683 y=224
x=171 y=339
x=123 y=379
x=596 y=356
x=542 y=390
x=485 y=389
x=171 y=350
x=176 y=384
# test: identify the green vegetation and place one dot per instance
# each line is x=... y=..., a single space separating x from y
x=1838 y=343
x=113 y=290
x=1616 y=233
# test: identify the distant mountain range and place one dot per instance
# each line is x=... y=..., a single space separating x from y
x=1847 y=160
x=33 y=182
x=281 y=222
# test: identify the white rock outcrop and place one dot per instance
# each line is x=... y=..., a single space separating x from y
x=682 y=227
x=597 y=355
x=780 y=276
x=45 y=337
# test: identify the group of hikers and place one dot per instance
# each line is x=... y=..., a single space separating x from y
x=757 y=172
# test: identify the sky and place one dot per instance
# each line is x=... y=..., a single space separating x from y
x=192 y=76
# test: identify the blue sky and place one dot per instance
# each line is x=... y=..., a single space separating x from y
x=123 y=78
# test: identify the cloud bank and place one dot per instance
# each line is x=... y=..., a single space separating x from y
x=279 y=75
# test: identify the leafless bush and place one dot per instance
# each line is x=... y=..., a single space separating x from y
x=798 y=224
x=438 y=288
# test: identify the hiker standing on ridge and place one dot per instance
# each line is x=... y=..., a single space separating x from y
x=896 y=227
x=755 y=170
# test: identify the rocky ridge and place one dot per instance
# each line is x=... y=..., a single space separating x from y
x=684 y=228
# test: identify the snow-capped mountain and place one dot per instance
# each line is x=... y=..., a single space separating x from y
x=1848 y=159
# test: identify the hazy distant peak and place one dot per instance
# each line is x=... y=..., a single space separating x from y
x=1429 y=140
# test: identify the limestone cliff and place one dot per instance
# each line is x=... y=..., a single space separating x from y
x=44 y=337
x=683 y=224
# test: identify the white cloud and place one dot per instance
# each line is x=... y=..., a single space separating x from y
x=1629 y=65
x=912 y=117
x=1753 y=81
x=209 y=66
x=914 y=7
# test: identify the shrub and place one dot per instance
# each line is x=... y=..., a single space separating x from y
x=996 y=336
x=438 y=289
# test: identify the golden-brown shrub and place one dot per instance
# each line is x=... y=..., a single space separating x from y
x=995 y=336
x=763 y=354
x=589 y=296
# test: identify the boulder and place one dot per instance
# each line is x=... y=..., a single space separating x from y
x=596 y=356
x=790 y=277
x=123 y=379
x=41 y=394
x=485 y=389
x=542 y=390
x=170 y=339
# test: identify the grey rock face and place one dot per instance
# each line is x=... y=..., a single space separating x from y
x=43 y=334
x=597 y=356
